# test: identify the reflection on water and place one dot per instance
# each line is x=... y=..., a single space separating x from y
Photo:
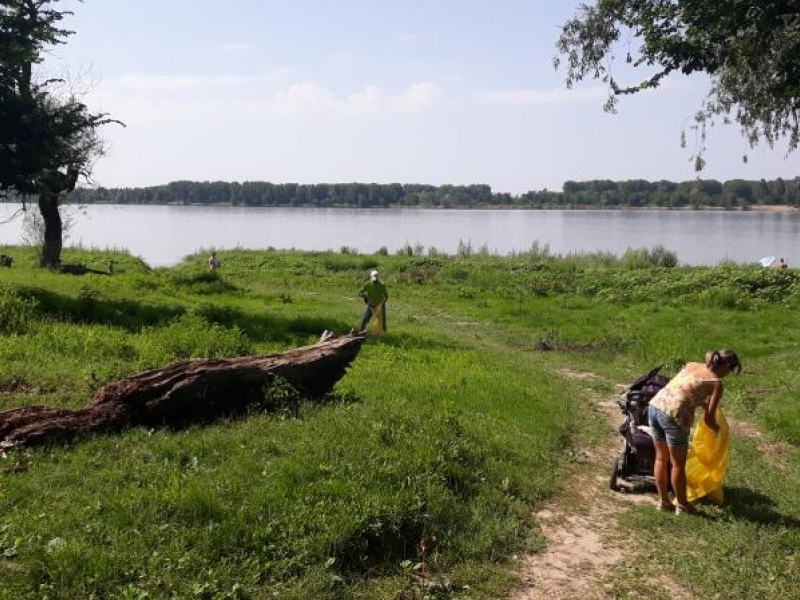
x=163 y=235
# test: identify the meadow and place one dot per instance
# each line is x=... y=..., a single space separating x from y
x=420 y=475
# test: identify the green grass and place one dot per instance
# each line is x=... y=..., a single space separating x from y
x=447 y=432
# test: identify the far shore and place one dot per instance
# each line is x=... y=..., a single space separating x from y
x=774 y=208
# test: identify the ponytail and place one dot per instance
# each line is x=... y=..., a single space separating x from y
x=725 y=357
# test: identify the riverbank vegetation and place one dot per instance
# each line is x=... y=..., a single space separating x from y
x=420 y=475
x=637 y=193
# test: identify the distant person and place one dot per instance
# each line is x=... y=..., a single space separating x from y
x=213 y=262
x=375 y=295
x=782 y=264
x=671 y=415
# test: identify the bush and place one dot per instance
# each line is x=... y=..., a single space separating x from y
x=643 y=258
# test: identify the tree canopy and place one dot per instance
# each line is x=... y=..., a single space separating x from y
x=48 y=137
x=749 y=48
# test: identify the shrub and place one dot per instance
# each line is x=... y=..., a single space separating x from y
x=644 y=258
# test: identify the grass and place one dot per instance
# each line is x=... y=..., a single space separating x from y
x=430 y=457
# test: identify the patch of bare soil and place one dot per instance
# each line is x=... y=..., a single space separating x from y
x=587 y=551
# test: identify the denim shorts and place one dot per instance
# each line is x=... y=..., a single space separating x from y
x=666 y=429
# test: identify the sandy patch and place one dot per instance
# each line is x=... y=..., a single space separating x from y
x=586 y=548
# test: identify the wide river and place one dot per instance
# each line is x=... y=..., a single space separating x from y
x=163 y=235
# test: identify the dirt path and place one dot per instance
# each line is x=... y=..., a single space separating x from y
x=587 y=551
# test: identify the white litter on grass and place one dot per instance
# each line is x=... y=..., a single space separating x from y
x=767 y=261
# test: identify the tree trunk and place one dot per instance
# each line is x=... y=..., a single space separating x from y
x=184 y=392
x=54 y=184
x=53 y=228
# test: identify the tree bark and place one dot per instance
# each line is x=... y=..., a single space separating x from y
x=53 y=228
x=184 y=392
x=53 y=185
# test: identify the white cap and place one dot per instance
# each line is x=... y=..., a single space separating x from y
x=373 y=274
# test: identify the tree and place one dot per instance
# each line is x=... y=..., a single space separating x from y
x=749 y=48
x=48 y=137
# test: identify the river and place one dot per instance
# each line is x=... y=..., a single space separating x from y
x=163 y=235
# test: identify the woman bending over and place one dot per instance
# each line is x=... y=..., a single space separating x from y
x=671 y=416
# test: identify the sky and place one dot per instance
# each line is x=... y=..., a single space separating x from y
x=403 y=91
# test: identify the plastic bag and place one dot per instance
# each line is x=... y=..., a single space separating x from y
x=707 y=462
x=379 y=320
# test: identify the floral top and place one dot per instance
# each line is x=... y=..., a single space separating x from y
x=681 y=396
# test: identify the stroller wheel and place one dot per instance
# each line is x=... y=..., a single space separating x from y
x=612 y=480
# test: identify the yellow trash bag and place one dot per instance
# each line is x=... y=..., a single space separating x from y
x=707 y=462
x=379 y=320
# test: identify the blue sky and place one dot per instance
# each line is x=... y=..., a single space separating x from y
x=409 y=91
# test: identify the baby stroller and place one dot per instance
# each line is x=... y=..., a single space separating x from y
x=637 y=458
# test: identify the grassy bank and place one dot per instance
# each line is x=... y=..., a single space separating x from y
x=418 y=477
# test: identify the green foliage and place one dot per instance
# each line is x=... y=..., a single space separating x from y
x=191 y=336
x=695 y=193
x=658 y=256
x=747 y=49
x=432 y=454
x=17 y=313
x=49 y=138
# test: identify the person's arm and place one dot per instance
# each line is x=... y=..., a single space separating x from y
x=362 y=293
x=711 y=408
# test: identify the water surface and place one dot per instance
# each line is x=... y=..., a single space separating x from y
x=164 y=235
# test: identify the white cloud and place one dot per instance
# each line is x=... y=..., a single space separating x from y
x=421 y=96
x=146 y=98
x=303 y=98
x=370 y=100
x=534 y=97
x=374 y=100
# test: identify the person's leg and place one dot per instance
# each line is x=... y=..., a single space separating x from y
x=367 y=316
x=660 y=470
x=677 y=456
x=656 y=420
x=678 y=442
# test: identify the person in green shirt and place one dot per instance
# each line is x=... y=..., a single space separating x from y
x=375 y=295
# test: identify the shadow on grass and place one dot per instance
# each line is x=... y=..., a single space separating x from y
x=202 y=283
x=90 y=309
x=754 y=506
x=288 y=330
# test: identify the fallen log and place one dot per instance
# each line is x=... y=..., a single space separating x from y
x=184 y=392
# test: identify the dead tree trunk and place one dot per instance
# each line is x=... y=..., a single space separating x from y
x=184 y=392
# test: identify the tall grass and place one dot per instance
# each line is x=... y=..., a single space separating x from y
x=420 y=473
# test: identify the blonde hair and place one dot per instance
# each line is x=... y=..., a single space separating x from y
x=725 y=357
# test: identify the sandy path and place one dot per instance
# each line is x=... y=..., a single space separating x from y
x=586 y=549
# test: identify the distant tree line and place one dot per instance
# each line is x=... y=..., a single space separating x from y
x=736 y=193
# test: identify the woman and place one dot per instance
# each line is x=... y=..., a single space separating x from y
x=671 y=416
